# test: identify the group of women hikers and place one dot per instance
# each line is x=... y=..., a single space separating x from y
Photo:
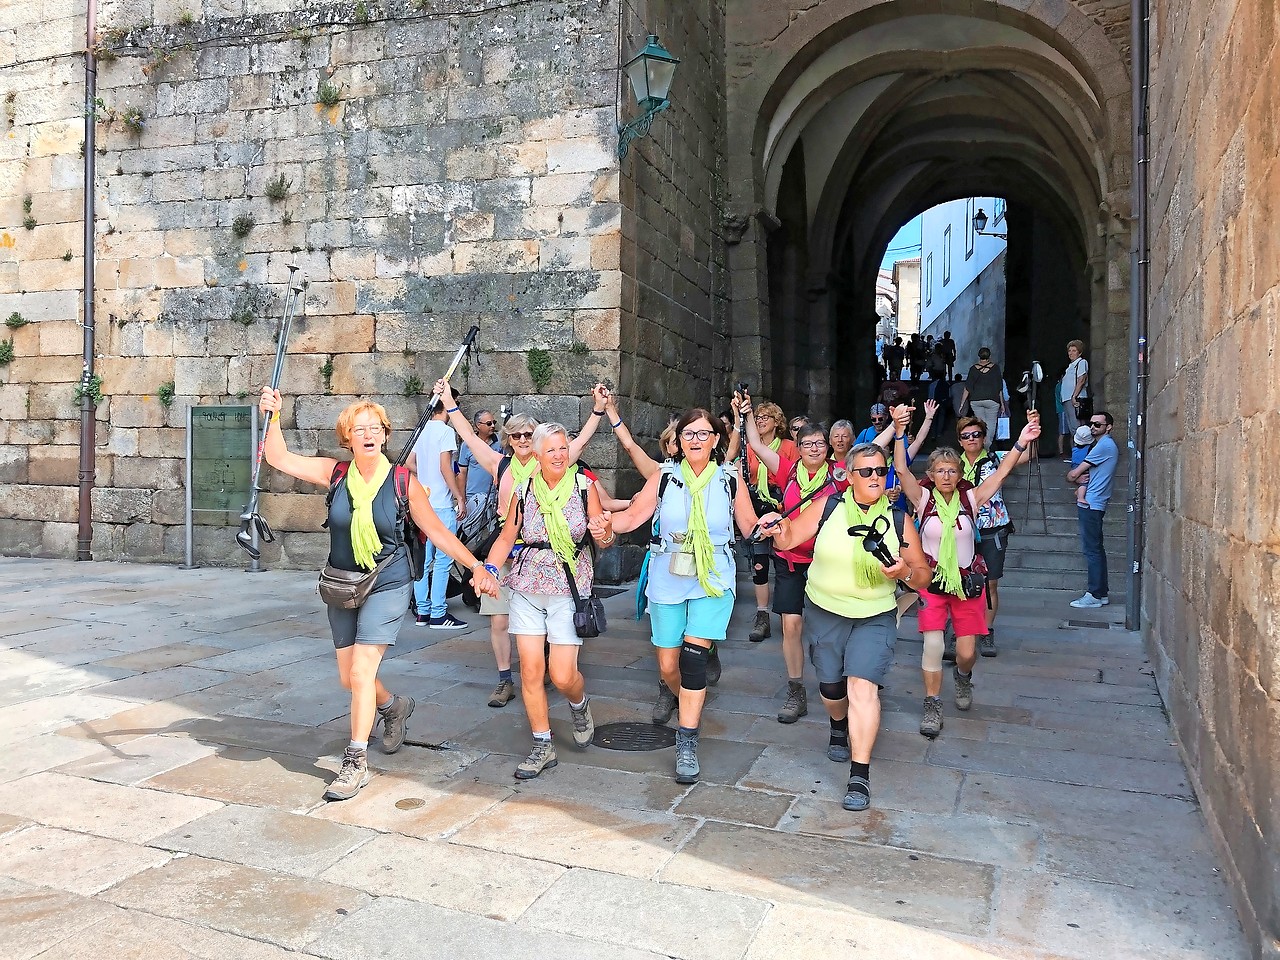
x=838 y=586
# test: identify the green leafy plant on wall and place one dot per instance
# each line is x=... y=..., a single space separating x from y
x=277 y=188
x=412 y=386
x=242 y=225
x=541 y=369
x=579 y=349
x=326 y=371
x=329 y=93
x=93 y=390
x=16 y=320
x=6 y=352
x=165 y=393
x=133 y=120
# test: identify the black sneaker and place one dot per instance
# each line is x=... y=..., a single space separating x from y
x=447 y=622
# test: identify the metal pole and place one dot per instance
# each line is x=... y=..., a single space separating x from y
x=255 y=555
x=188 y=557
x=88 y=438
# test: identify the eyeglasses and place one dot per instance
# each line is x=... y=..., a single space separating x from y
x=763 y=416
x=946 y=471
x=879 y=419
x=866 y=472
x=813 y=444
x=696 y=434
x=972 y=435
x=1099 y=424
x=370 y=431
x=522 y=435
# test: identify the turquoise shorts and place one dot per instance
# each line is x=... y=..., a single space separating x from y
x=704 y=617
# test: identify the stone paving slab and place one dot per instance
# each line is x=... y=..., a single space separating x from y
x=446 y=806
x=74 y=862
x=35 y=919
x=166 y=655
x=249 y=777
x=735 y=805
x=586 y=784
x=44 y=753
x=131 y=763
x=138 y=936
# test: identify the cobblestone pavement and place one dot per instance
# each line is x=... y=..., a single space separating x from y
x=168 y=735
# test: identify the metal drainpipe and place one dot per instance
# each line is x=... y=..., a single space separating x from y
x=88 y=438
x=1138 y=372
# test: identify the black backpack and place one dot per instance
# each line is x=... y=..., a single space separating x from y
x=414 y=540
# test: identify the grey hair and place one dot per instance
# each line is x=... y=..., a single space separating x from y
x=868 y=450
x=545 y=430
x=475 y=417
x=843 y=424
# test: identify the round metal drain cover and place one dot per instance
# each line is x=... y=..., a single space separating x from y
x=410 y=803
x=634 y=736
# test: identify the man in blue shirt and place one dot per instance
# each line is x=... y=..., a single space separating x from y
x=477 y=481
x=1100 y=463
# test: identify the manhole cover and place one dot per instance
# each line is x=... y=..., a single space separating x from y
x=633 y=736
x=410 y=803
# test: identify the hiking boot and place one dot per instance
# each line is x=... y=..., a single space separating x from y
x=761 y=628
x=584 y=728
x=949 y=646
x=503 y=693
x=931 y=722
x=797 y=704
x=687 y=769
x=987 y=644
x=713 y=666
x=394 y=723
x=353 y=775
x=665 y=705
x=541 y=757
x=964 y=690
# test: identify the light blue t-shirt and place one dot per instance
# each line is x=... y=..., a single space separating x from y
x=1102 y=461
x=479 y=481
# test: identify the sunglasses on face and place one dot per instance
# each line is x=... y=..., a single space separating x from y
x=1098 y=424
x=878 y=419
x=486 y=423
x=522 y=435
x=972 y=435
x=867 y=472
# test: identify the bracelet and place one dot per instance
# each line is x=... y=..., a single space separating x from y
x=1019 y=447
x=616 y=425
x=903 y=437
x=478 y=563
x=609 y=542
x=492 y=569
x=597 y=413
x=451 y=410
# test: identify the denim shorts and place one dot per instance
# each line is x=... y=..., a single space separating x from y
x=703 y=617
x=376 y=621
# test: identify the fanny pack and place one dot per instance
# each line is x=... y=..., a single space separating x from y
x=588 y=612
x=349 y=589
x=973 y=579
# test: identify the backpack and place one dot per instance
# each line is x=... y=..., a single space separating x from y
x=669 y=477
x=965 y=488
x=828 y=508
x=413 y=539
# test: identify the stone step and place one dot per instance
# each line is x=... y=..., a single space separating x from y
x=1059 y=540
x=1060 y=581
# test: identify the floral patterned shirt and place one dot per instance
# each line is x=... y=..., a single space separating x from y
x=538 y=569
x=993 y=513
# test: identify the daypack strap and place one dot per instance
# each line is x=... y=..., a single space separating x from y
x=730 y=482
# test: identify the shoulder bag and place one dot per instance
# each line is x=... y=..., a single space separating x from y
x=588 y=612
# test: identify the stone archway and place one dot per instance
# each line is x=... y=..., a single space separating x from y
x=893 y=106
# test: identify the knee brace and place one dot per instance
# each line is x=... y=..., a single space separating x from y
x=760 y=572
x=931 y=659
x=833 y=691
x=693 y=667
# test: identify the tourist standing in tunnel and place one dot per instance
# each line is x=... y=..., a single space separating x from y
x=984 y=390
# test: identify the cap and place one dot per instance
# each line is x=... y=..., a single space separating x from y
x=879 y=408
x=1084 y=436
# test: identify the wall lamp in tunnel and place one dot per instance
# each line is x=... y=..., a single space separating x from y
x=650 y=72
x=980 y=226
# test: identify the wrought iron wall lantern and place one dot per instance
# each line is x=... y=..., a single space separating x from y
x=980 y=226
x=650 y=72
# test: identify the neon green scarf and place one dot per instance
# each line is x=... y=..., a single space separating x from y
x=971 y=469
x=762 y=475
x=948 y=570
x=551 y=504
x=365 y=541
x=866 y=568
x=807 y=483
x=698 y=536
x=521 y=473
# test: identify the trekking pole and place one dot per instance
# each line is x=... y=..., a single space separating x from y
x=838 y=475
x=253 y=528
x=467 y=342
x=1034 y=376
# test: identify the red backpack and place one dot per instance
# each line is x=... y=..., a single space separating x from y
x=414 y=540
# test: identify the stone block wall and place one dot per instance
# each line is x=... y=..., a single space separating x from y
x=1212 y=584
x=428 y=164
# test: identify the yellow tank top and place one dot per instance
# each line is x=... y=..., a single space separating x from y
x=831 y=583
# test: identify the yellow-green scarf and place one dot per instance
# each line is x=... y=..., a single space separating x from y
x=762 y=475
x=948 y=569
x=365 y=541
x=551 y=504
x=971 y=469
x=521 y=473
x=866 y=568
x=698 y=536
x=807 y=483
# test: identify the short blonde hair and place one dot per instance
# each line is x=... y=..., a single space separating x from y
x=1078 y=344
x=518 y=423
x=347 y=420
x=544 y=430
x=668 y=437
x=771 y=409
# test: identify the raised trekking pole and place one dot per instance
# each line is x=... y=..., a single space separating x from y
x=838 y=475
x=253 y=528
x=467 y=342
x=1030 y=381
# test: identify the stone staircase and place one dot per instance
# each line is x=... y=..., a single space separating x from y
x=1052 y=560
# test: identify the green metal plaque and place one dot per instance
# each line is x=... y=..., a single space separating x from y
x=222 y=452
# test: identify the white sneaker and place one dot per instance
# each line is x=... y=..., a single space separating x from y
x=1089 y=600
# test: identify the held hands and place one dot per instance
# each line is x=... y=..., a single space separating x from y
x=600 y=397
x=601 y=526
x=485 y=582
x=269 y=402
x=902 y=417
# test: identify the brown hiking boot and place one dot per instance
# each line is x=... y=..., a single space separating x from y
x=761 y=628
x=502 y=694
x=797 y=704
x=353 y=775
x=395 y=721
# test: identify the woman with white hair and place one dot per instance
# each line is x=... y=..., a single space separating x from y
x=550 y=512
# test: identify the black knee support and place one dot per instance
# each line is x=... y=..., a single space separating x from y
x=693 y=667
x=760 y=572
x=833 y=691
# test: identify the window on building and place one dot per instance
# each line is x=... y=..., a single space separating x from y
x=946 y=255
x=968 y=228
x=998 y=207
x=928 y=280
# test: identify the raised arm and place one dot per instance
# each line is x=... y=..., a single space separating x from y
x=317 y=470
x=442 y=539
x=768 y=457
x=930 y=411
x=990 y=486
x=734 y=447
x=599 y=393
x=901 y=468
x=642 y=461
x=487 y=457
x=641 y=510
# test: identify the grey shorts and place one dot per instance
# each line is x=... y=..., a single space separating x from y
x=840 y=647
x=377 y=621
x=993 y=546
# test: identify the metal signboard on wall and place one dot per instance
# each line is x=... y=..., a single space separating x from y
x=221 y=443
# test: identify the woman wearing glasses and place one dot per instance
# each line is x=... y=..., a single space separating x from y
x=765 y=487
x=851 y=622
x=692 y=574
x=808 y=476
x=994 y=525
x=364 y=532
x=509 y=471
x=947 y=507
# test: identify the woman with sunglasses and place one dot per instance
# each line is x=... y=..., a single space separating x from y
x=946 y=508
x=851 y=621
x=509 y=470
x=692 y=573
x=364 y=532
x=994 y=525
x=810 y=476
x=771 y=426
